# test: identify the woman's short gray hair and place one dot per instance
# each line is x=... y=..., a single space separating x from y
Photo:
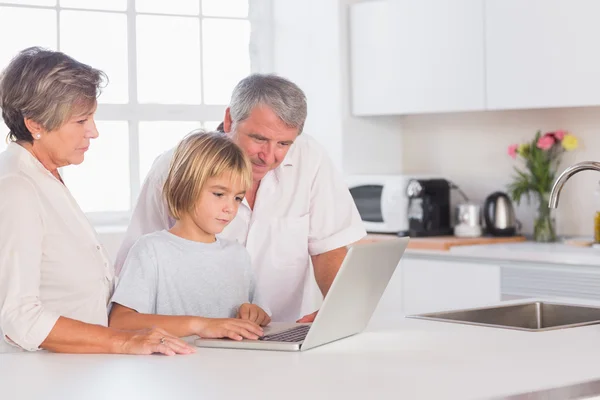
x=285 y=98
x=47 y=87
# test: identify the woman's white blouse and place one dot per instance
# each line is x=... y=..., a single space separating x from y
x=51 y=261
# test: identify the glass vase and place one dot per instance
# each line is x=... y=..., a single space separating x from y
x=544 y=229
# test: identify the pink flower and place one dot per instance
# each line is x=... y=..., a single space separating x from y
x=560 y=134
x=512 y=150
x=545 y=142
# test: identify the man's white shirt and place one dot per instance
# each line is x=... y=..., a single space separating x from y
x=303 y=208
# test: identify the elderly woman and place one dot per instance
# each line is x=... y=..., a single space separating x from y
x=55 y=276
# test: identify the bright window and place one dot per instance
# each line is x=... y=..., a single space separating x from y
x=99 y=185
x=168 y=60
x=171 y=67
x=158 y=136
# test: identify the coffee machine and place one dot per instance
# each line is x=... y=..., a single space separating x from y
x=428 y=207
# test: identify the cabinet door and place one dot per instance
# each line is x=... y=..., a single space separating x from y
x=542 y=53
x=433 y=285
x=420 y=56
x=551 y=282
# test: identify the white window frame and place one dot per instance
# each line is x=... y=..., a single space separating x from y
x=261 y=60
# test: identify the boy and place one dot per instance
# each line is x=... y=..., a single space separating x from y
x=186 y=280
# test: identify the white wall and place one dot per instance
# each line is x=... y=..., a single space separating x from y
x=306 y=51
x=471 y=150
x=311 y=49
x=370 y=145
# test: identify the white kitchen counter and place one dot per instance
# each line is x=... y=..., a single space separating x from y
x=519 y=252
x=395 y=358
x=555 y=253
x=525 y=252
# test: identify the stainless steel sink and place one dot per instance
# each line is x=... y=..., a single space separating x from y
x=536 y=316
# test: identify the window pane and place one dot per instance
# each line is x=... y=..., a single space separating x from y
x=102 y=48
x=3 y=133
x=116 y=5
x=157 y=137
x=226 y=57
x=12 y=21
x=101 y=182
x=211 y=125
x=229 y=8
x=31 y=3
x=168 y=58
x=186 y=7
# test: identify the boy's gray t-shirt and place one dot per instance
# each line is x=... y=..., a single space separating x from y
x=168 y=275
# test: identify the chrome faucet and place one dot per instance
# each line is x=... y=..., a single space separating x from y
x=569 y=172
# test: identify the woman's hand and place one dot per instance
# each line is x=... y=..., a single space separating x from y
x=236 y=329
x=253 y=313
x=153 y=340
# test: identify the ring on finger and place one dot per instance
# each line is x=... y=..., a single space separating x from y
x=162 y=340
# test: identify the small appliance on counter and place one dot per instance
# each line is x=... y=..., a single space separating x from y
x=428 y=207
x=381 y=201
x=499 y=215
x=468 y=220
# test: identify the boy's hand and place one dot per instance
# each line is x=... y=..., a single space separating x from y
x=254 y=313
x=236 y=329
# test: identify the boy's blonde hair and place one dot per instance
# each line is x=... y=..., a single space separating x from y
x=199 y=156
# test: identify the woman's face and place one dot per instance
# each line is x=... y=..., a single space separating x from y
x=68 y=144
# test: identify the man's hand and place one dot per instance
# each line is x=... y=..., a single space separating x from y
x=308 y=318
x=253 y=313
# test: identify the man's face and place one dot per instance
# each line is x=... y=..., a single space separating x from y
x=264 y=138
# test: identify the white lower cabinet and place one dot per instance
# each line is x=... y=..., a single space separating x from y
x=551 y=281
x=429 y=285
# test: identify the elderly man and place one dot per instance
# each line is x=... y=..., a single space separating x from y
x=298 y=206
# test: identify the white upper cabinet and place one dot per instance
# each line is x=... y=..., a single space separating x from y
x=417 y=56
x=542 y=53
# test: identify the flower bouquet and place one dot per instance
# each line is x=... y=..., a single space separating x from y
x=541 y=158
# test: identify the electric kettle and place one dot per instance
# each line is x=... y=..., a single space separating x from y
x=499 y=215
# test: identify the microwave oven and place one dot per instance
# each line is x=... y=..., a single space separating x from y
x=381 y=201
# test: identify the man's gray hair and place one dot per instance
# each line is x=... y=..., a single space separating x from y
x=285 y=98
x=48 y=87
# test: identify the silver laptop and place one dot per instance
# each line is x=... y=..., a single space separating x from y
x=347 y=308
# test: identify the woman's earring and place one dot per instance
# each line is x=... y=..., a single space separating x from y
x=38 y=136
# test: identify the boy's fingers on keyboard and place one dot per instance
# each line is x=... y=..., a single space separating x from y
x=239 y=333
x=232 y=335
x=251 y=327
x=249 y=335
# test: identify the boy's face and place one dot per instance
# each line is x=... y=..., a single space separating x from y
x=218 y=203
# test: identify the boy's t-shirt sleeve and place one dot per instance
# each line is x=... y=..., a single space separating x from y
x=138 y=283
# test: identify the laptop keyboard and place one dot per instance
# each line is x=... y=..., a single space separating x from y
x=295 y=334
